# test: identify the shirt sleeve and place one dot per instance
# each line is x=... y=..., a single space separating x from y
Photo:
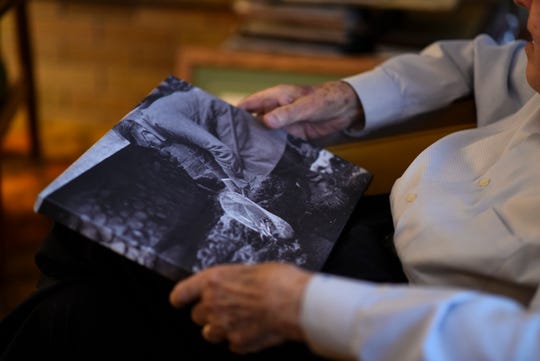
x=349 y=319
x=411 y=84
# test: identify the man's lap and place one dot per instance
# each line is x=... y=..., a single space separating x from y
x=93 y=302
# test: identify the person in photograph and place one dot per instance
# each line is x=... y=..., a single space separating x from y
x=187 y=123
x=215 y=143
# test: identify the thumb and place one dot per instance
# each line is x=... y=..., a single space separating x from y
x=278 y=118
x=186 y=292
x=287 y=115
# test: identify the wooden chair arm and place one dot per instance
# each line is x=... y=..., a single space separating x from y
x=387 y=155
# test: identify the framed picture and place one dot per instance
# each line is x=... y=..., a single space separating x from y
x=231 y=74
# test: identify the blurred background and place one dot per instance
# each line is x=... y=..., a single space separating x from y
x=70 y=69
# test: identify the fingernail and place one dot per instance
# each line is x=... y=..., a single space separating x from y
x=175 y=298
x=272 y=121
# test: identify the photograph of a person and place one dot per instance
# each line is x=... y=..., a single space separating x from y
x=200 y=182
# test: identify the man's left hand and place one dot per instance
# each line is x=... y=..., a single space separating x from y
x=250 y=306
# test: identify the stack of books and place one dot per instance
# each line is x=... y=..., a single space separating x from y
x=289 y=27
x=320 y=27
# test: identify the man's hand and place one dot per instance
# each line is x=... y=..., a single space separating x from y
x=252 y=307
x=307 y=111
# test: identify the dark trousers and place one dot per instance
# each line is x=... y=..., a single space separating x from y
x=93 y=304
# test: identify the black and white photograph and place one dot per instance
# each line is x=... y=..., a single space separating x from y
x=186 y=181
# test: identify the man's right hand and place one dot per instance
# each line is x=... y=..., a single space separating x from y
x=308 y=112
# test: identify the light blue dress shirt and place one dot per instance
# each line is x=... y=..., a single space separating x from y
x=466 y=215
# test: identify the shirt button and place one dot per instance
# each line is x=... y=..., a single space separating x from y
x=483 y=182
x=411 y=197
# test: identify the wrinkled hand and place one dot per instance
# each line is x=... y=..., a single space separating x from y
x=251 y=307
x=308 y=112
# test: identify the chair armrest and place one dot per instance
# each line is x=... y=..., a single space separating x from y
x=386 y=155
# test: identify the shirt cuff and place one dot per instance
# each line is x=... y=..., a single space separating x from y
x=380 y=97
x=327 y=315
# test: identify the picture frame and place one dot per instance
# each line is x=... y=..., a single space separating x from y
x=232 y=74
